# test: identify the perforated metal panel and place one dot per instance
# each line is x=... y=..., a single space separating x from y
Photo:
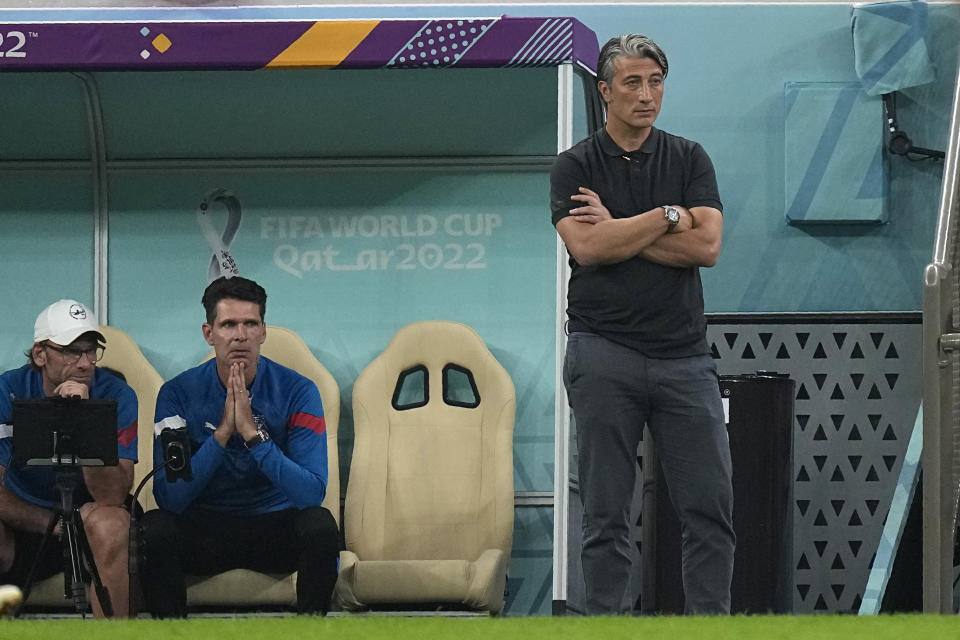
x=858 y=392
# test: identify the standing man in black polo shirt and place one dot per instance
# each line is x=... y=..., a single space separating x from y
x=639 y=212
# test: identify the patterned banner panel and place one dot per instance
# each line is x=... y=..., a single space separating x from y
x=327 y=44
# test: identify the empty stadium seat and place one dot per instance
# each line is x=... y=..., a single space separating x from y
x=428 y=517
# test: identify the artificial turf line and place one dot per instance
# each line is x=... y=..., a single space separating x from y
x=807 y=627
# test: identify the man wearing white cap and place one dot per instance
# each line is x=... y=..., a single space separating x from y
x=67 y=344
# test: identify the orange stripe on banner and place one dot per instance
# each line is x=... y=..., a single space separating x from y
x=324 y=45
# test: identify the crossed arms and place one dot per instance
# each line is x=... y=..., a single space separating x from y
x=594 y=237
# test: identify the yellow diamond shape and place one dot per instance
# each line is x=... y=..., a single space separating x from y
x=161 y=43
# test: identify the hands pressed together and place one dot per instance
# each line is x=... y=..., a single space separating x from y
x=237 y=413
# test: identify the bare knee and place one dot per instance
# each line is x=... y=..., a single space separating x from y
x=107 y=528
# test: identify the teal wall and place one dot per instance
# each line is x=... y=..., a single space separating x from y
x=728 y=69
x=729 y=66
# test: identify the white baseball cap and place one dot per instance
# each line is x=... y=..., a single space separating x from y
x=64 y=321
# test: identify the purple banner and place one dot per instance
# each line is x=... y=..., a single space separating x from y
x=178 y=45
x=489 y=42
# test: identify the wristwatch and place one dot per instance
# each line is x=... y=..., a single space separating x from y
x=262 y=436
x=672 y=216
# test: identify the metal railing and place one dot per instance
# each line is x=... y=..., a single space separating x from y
x=941 y=387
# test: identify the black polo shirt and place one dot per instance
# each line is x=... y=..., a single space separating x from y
x=655 y=309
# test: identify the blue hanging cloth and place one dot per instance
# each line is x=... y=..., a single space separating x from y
x=891 y=46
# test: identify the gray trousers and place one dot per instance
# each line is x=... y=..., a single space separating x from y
x=614 y=391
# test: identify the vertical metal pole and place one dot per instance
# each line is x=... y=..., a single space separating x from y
x=937 y=446
x=939 y=424
x=561 y=481
x=98 y=153
x=944 y=250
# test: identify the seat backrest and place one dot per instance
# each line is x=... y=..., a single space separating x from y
x=286 y=347
x=124 y=356
x=432 y=469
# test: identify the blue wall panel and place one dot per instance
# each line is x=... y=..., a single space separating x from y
x=346 y=265
x=46 y=251
x=290 y=114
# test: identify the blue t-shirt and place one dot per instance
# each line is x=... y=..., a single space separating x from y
x=288 y=471
x=35 y=484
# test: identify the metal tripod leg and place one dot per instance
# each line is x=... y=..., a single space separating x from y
x=76 y=551
x=80 y=551
x=73 y=586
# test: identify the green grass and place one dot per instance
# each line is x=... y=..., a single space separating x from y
x=899 y=627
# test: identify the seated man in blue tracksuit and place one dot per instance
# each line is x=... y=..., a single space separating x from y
x=259 y=466
x=62 y=363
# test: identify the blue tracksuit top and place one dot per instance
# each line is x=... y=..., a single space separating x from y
x=288 y=471
x=35 y=484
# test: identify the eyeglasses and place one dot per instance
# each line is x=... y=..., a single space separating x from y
x=72 y=354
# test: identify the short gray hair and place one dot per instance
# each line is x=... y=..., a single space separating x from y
x=631 y=45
